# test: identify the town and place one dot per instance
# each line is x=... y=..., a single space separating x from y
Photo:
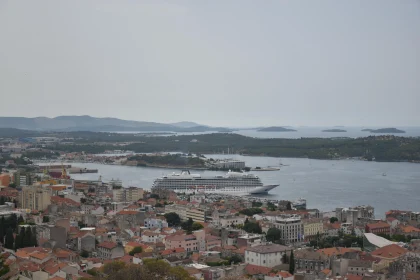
x=61 y=228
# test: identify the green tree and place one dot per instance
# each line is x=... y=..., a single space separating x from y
x=45 y=219
x=84 y=254
x=136 y=250
x=173 y=219
x=252 y=227
x=19 y=239
x=292 y=263
x=289 y=206
x=34 y=241
x=235 y=259
x=20 y=220
x=2 y=200
x=2 y=229
x=333 y=220
x=187 y=226
x=113 y=267
x=27 y=238
x=9 y=240
x=273 y=235
x=197 y=226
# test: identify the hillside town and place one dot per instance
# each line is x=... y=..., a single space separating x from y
x=60 y=228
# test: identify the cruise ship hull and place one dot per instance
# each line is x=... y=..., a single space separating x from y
x=230 y=190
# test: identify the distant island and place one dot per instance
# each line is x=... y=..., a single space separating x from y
x=334 y=130
x=384 y=130
x=276 y=129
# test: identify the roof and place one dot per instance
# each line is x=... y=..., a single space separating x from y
x=39 y=255
x=266 y=249
x=335 y=251
x=360 y=263
x=172 y=251
x=377 y=225
x=390 y=252
x=309 y=254
x=128 y=212
x=180 y=237
x=409 y=229
x=377 y=240
x=107 y=244
x=252 y=269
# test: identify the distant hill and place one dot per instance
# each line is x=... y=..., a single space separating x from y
x=384 y=130
x=275 y=129
x=334 y=130
x=185 y=124
x=88 y=123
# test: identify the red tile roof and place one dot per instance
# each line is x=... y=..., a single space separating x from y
x=107 y=244
x=380 y=224
x=252 y=269
x=390 y=252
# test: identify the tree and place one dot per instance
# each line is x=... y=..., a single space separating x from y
x=333 y=220
x=252 y=227
x=2 y=200
x=84 y=254
x=289 y=206
x=34 y=241
x=235 y=259
x=2 y=229
x=187 y=226
x=273 y=235
x=19 y=239
x=113 y=267
x=197 y=226
x=136 y=250
x=12 y=185
x=9 y=240
x=20 y=220
x=173 y=219
x=45 y=219
x=27 y=237
x=292 y=263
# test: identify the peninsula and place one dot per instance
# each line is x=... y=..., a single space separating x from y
x=384 y=130
x=275 y=129
x=334 y=130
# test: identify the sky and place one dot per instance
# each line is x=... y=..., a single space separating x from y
x=224 y=63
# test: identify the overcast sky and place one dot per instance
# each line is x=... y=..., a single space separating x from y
x=230 y=63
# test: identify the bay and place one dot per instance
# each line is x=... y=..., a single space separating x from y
x=326 y=184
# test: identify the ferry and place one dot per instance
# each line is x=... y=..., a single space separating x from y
x=231 y=183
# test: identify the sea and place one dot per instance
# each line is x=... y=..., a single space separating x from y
x=308 y=132
x=325 y=184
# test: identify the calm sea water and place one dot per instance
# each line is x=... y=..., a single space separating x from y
x=352 y=132
x=325 y=184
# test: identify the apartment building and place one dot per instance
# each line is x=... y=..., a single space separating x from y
x=128 y=194
x=185 y=212
x=312 y=227
x=34 y=198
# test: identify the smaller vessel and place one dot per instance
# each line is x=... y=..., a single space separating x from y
x=383 y=174
x=299 y=203
x=268 y=168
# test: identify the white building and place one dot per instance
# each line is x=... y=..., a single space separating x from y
x=155 y=223
x=269 y=255
x=229 y=163
x=291 y=228
x=128 y=194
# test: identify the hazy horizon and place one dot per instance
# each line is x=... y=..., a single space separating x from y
x=240 y=63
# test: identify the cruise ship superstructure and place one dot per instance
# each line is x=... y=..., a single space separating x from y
x=231 y=183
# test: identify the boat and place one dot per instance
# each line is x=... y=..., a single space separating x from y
x=383 y=174
x=299 y=204
x=231 y=183
x=268 y=168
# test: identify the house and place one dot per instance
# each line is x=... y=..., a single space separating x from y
x=155 y=223
x=359 y=267
x=281 y=275
x=177 y=252
x=86 y=241
x=388 y=254
x=266 y=255
x=130 y=218
x=378 y=228
x=109 y=250
x=129 y=246
x=189 y=242
x=150 y=237
x=311 y=261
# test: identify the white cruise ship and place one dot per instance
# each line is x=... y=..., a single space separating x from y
x=231 y=183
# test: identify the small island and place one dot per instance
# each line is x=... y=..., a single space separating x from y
x=275 y=129
x=384 y=130
x=334 y=130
